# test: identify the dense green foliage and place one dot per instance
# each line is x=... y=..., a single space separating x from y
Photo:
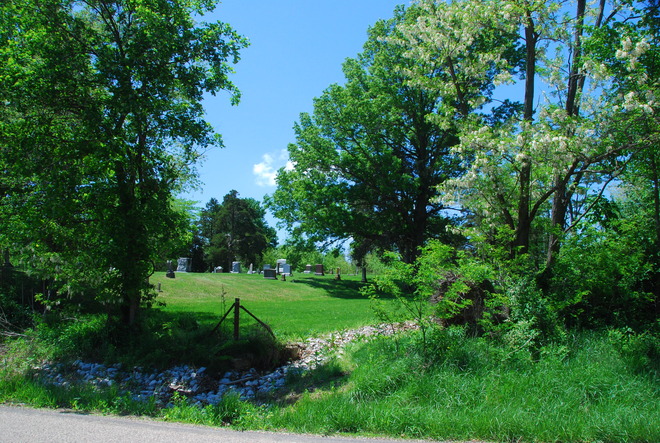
x=101 y=124
x=537 y=309
x=367 y=162
x=557 y=191
x=234 y=230
x=597 y=387
x=587 y=391
x=560 y=191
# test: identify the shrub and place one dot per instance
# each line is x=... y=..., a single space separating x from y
x=640 y=351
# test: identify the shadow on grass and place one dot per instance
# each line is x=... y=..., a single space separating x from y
x=344 y=289
x=192 y=338
x=324 y=377
x=159 y=340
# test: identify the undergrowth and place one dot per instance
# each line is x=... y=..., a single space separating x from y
x=161 y=340
x=589 y=389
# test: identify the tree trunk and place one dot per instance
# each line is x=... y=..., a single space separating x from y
x=557 y=220
x=131 y=238
x=562 y=195
x=656 y=199
x=523 y=227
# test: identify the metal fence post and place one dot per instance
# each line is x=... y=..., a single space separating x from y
x=237 y=305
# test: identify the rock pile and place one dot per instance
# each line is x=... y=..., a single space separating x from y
x=195 y=383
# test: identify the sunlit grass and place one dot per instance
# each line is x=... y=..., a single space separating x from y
x=300 y=307
x=591 y=387
x=589 y=395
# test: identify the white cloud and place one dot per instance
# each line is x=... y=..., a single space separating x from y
x=266 y=171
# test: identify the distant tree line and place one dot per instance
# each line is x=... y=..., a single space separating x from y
x=234 y=230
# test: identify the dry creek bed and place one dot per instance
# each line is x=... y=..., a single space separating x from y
x=199 y=386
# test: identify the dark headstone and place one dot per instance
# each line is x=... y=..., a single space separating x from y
x=170 y=271
x=270 y=274
x=319 y=270
x=236 y=267
x=286 y=269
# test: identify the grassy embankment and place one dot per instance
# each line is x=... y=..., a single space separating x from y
x=592 y=387
x=300 y=307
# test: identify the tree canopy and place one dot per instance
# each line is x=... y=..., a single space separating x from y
x=235 y=230
x=367 y=161
x=102 y=124
x=537 y=179
x=427 y=121
x=564 y=146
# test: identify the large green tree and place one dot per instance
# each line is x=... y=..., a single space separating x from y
x=102 y=124
x=537 y=179
x=235 y=230
x=539 y=171
x=367 y=162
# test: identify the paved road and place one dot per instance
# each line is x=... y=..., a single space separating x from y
x=18 y=424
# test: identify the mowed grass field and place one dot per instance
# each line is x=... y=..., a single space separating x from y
x=302 y=306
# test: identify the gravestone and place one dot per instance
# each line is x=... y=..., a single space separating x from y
x=235 y=267
x=278 y=265
x=286 y=269
x=267 y=267
x=170 y=271
x=183 y=265
x=217 y=269
x=308 y=269
x=319 y=270
x=251 y=270
x=270 y=274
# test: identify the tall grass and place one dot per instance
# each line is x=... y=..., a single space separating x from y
x=475 y=392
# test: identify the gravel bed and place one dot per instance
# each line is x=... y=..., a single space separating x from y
x=196 y=384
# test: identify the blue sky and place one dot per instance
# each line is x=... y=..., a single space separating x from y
x=296 y=51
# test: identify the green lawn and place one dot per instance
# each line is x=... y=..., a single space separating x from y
x=302 y=306
x=592 y=386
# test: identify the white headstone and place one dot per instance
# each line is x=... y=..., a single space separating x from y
x=183 y=265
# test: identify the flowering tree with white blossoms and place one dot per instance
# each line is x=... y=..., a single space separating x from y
x=554 y=155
